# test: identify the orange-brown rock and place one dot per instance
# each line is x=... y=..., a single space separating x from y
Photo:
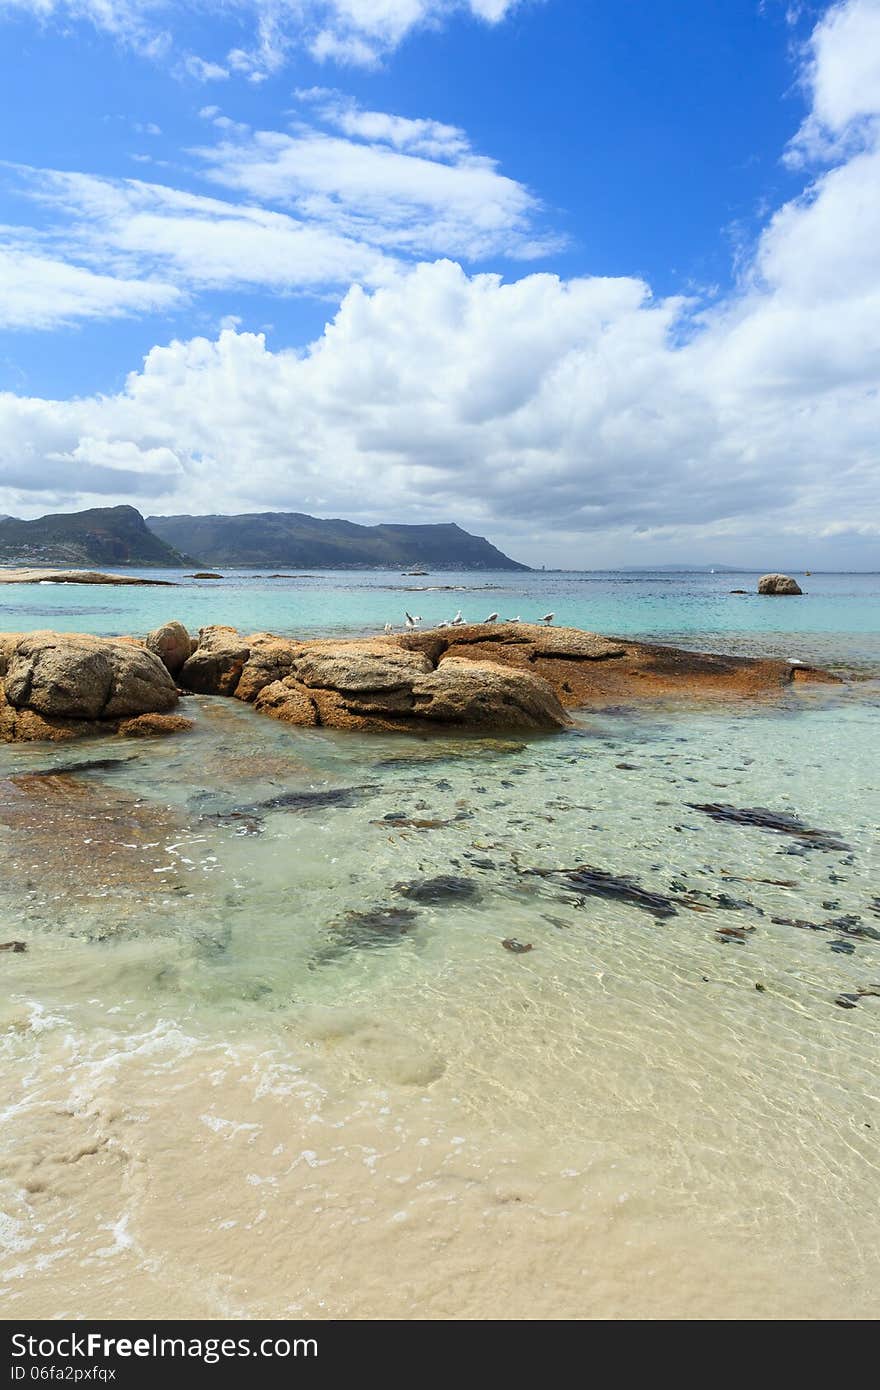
x=585 y=668
x=216 y=665
x=380 y=684
x=59 y=686
x=172 y=644
x=154 y=725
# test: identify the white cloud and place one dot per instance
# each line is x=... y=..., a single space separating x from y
x=413 y=186
x=423 y=137
x=202 y=70
x=150 y=231
x=578 y=410
x=350 y=210
x=842 y=75
x=39 y=291
x=359 y=32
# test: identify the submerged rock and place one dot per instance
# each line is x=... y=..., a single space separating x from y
x=442 y=889
x=778 y=584
x=154 y=725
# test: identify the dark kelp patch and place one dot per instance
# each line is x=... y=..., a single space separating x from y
x=376 y=927
x=587 y=880
x=782 y=822
x=445 y=888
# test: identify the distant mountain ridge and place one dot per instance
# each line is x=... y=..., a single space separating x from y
x=100 y=535
x=295 y=539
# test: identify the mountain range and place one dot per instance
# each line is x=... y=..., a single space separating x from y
x=120 y=536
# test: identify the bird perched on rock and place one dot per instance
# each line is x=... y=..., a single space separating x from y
x=548 y=618
x=412 y=621
x=457 y=620
x=389 y=627
x=492 y=618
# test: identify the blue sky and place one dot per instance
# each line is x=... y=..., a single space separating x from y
x=591 y=270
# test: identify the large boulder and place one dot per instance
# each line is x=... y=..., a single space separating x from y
x=172 y=644
x=379 y=684
x=62 y=685
x=70 y=676
x=778 y=584
x=481 y=694
x=269 y=659
x=216 y=665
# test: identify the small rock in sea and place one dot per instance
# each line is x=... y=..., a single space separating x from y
x=510 y=943
x=847 y=1001
x=16 y=946
x=733 y=933
x=778 y=584
x=831 y=905
x=759 y=987
x=843 y=948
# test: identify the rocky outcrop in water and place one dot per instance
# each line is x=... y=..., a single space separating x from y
x=378 y=683
x=778 y=584
x=502 y=676
x=64 y=685
x=480 y=676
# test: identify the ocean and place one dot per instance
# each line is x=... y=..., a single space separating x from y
x=375 y=1054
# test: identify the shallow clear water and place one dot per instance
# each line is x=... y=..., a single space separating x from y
x=839 y=613
x=230 y=1088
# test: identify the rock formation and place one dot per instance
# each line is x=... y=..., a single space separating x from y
x=62 y=685
x=172 y=644
x=504 y=676
x=778 y=584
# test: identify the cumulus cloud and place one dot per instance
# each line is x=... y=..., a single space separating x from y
x=577 y=409
x=350 y=32
x=842 y=74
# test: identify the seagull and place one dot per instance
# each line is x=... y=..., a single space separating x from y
x=389 y=627
x=457 y=620
x=517 y=619
x=548 y=618
x=492 y=618
x=412 y=621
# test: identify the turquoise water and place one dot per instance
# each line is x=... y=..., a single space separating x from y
x=838 y=617
x=252 y=1067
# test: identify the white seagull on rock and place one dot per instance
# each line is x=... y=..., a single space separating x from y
x=548 y=618
x=412 y=621
x=457 y=620
x=492 y=618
